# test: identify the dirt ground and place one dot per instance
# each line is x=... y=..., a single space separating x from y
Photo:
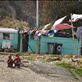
x=34 y=72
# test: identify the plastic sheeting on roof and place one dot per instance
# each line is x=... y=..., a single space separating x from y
x=79 y=32
x=8 y=30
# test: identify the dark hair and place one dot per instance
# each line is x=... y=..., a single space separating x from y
x=9 y=56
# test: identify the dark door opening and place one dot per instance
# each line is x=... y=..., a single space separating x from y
x=25 y=42
x=54 y=48
x=57 y=48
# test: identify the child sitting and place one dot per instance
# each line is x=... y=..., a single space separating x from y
x=10 y=61
x=17 y=61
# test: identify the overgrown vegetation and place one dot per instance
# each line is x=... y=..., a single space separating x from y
x=71 y=68
x=79 y=71
x=67 y=66
x=49 y=10
x=12 y=23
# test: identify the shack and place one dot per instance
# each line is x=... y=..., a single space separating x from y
x=8 y=39
x=54 y=45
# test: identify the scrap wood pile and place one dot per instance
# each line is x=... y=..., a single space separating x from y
x=45 y=58
x=69 y=59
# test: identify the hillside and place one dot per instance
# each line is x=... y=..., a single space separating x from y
x=49 y=10
x=21 y=10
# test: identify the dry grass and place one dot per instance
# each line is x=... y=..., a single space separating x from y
x=12 y=23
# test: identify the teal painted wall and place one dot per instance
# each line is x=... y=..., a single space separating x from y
x=70 y=46
x=13 y=41
x=31 y=45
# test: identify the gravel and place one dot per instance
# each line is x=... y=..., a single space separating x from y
x=34 y=72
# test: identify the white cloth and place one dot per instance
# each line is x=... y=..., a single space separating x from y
x=45 y=27
x=75 y=17
x=58 y=22
x=6 y=44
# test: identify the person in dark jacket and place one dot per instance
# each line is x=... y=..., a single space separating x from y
x=10 y=61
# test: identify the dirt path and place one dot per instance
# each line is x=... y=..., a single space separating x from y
x=52 y=72
x=35 y=72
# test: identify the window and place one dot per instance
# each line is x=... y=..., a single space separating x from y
x=6 y=36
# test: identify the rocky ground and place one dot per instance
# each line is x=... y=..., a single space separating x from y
x=35 y=71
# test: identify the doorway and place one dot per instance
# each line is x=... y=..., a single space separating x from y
x=25 y=42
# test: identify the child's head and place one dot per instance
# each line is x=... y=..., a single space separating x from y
x=17 y=55
x=10 y=57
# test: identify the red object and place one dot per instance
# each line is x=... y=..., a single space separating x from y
x=63 y=26
x=17 y=61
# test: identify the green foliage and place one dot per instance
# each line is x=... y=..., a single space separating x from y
x=49 y=10
x=3 y=12
x=78 y=71
x=12 y=23
x=67 y=66
x=71 y=68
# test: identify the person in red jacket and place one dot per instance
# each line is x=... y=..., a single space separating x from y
x=17 y=61
x=10 y=61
